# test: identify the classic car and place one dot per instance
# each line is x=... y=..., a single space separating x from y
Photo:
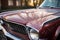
x=42 y=23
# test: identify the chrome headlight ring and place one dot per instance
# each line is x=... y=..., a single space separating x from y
x=33 y=34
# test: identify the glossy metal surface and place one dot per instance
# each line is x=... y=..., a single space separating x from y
x=34 y=18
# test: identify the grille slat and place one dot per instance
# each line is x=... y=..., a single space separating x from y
x=16 y=27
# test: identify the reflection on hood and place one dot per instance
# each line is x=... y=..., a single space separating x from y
x=50 y=3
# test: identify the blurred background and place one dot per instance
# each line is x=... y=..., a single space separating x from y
x=19 y=4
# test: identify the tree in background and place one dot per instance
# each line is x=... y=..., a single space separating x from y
x=16 y=4
x=37 y=2
x=40 y=1
x=26 y=3
x=21 y=2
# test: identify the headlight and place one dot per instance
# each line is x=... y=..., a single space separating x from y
x=34 y=34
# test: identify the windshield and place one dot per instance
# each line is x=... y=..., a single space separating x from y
x=51 y=3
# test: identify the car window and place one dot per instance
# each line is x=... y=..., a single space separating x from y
x=51 y=3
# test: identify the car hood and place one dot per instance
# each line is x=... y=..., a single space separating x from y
x=33 y=18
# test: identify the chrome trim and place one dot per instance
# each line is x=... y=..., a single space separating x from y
x=50 y=20
x=0 y=25
x=32 y=28
x=6 y=33
x=9 y=35
x=27 y=29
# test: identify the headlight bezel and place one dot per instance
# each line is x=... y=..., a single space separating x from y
x=33 y=34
